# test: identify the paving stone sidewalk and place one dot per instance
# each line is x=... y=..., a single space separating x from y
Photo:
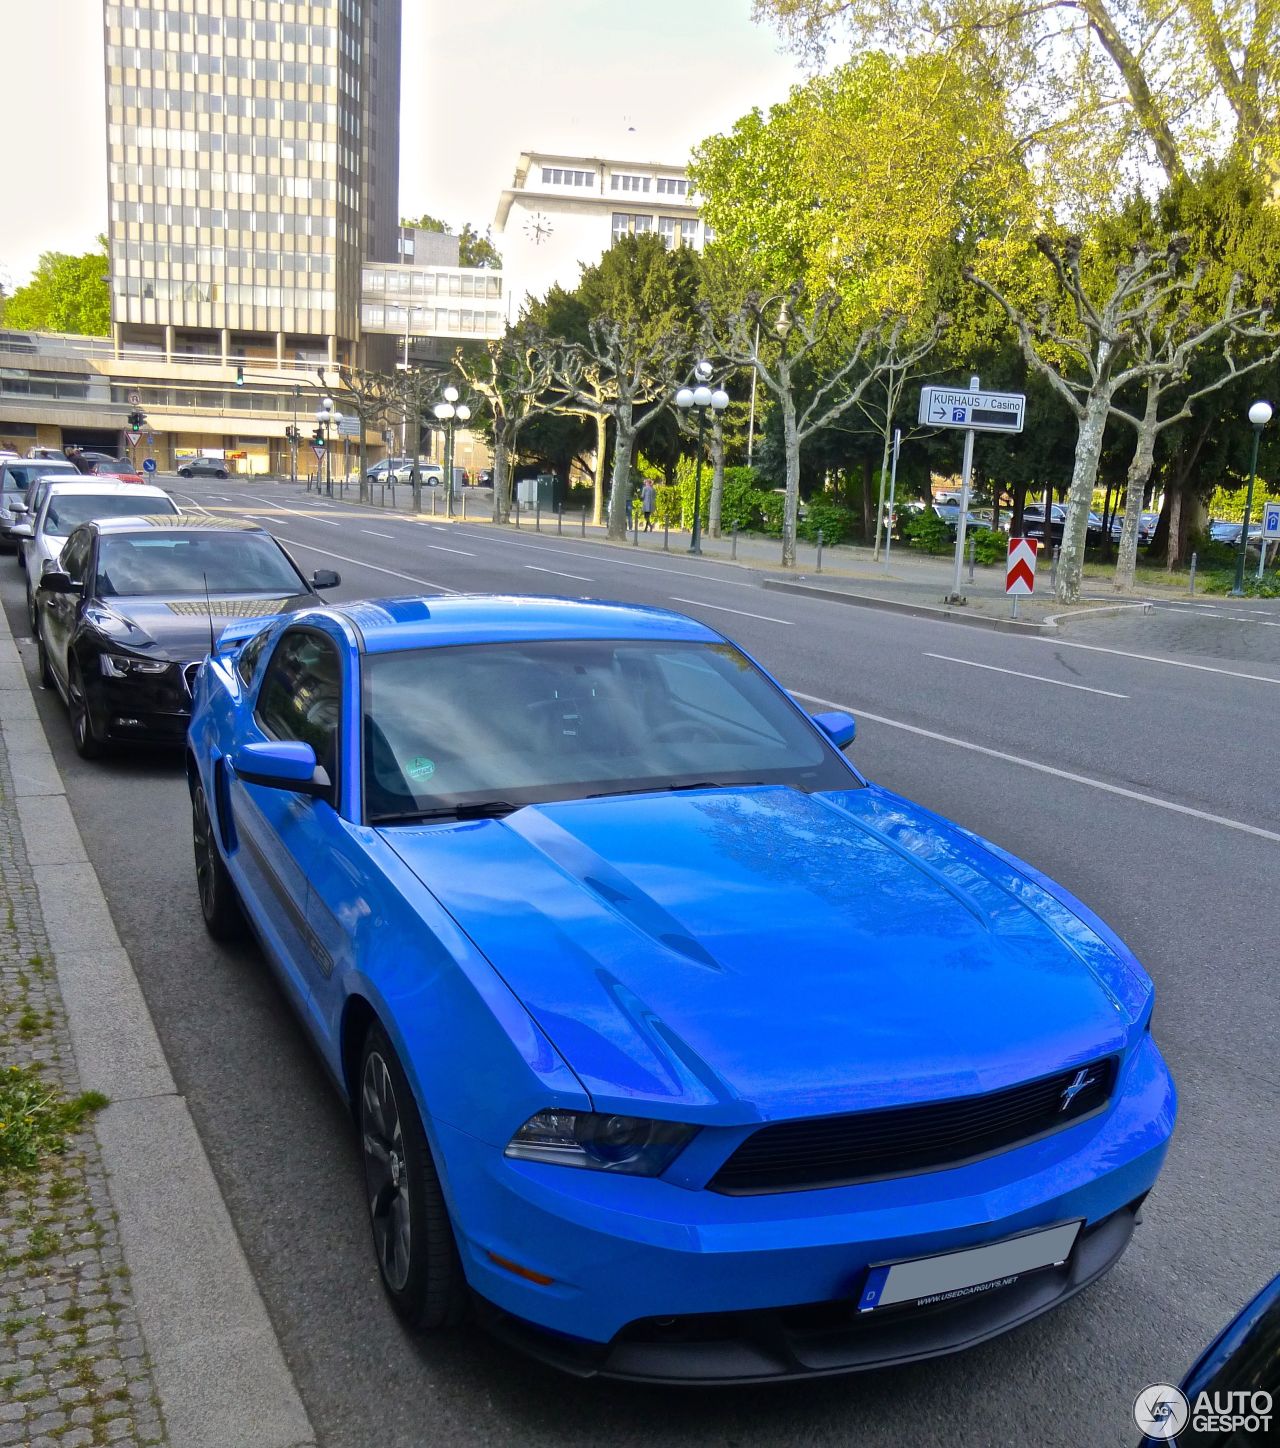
x=73 y=1364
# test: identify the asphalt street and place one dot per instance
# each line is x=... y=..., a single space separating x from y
x=1125 y=758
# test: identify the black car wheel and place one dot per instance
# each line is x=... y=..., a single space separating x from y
x=219 y=902
x=87 y=743
x=412 y=1236
x=221 y=473
x=185 y=473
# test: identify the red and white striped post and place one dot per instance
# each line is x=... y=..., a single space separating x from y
x=1020 y=570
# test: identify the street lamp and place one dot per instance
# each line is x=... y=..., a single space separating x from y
x=703 y=398
x=1259 y=416
x=449 y=413
x=327 y=416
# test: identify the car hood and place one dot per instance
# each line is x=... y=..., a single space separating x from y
x=761 y=953
x=178 y=628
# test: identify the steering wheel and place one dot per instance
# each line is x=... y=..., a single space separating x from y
x=684 y=731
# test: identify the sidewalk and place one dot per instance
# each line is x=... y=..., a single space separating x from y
x=910 y=581
x=128 y=1313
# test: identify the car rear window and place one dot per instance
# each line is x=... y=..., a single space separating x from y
x=19 y=478
x=68 y=511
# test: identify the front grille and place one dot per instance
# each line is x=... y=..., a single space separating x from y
x=869 y=1145
x=189 y=672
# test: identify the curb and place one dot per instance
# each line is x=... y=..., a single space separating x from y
x=216 y=1361
x=913 y=610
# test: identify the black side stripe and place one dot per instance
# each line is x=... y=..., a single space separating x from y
x=290 y=906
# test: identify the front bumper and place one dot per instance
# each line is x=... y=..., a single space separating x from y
x=156 y=708
x=652 y=1281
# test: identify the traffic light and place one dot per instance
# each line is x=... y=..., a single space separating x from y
x=240 y=376
x=317 y=437
x=137 y=420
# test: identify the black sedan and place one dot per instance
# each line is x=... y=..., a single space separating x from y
x=132 y=605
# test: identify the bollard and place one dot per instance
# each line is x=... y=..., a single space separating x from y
x=666 y=534
x=559 y=520
x=733 y=552
x=1053 y=568
x=537 y=515
x=584 y=522
x=1192 y=579
x=517 y=512
x=971 y=558
x=433 y=502
x=635 y=529
x=818 y=569
x=464 y=505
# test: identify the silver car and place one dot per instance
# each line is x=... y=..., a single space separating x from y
x=64 y=506
x=16 y=476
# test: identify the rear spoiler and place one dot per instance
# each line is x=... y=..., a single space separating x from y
x=233 y=638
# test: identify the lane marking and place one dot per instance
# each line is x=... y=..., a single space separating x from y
x=1034 y=764
x=462 y=552
x=533 y=568
x=293 y=512
x=373 y=567
x=373 y=533
x=1207 y=610
x=741 y=612
x=618 y=562
x=1018 y=674
x=1157 y=659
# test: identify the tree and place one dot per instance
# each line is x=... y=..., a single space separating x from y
x=473 y=249
x=368 y=396
x=65 y=294
x=784 y=348
x=514 y=377
x=1099 y=87
x=1095 y=338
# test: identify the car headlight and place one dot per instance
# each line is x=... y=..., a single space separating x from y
x=591 y=1139
x=121 y=666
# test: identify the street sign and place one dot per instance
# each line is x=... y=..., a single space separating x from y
x=349 y=427
x=1020 y=572
x=981 y=411
x=133 y=438
x=1271 y=522
x=148 y=465
x=318 y=449
x=135 y=399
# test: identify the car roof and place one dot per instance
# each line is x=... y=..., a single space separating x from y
x=185 y=522
x=390 y=624
x=98 y=487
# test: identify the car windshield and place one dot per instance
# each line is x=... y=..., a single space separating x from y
x=116 y=465
x=68 y=510
x=158 y=562
x=510 y=724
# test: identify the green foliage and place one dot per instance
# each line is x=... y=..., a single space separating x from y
x=989 y=545
x=770 y=506
x=1226 y=505
x=1223 y=580
x=740 y=500
x=927 y=532
x=36 y=1119
x=835 y=521
x=66 y=294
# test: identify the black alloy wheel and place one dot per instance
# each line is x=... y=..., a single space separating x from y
x=219 y=901
x=87 y=743
x=412 y=1235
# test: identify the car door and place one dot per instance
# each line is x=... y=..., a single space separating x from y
x=57 y=612
x=282 y=832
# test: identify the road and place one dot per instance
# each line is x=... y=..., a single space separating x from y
x=1124 y=759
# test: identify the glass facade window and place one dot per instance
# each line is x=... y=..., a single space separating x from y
x=622 y=181
x=672 y=186
x=560 y=176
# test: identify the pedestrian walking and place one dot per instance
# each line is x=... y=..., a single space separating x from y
x=648 y=497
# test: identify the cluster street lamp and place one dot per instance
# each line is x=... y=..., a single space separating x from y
x=450 y=412
x=327 y=416
x=704 y=399
x=1259 y=416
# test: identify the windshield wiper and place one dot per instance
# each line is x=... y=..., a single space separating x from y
x=485 y=809
x=678 y=788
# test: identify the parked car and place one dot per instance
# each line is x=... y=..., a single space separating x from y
x=1240 y=1370
x=201 y=467
x=380 y=471
x=47 y=454
x=950 y=515
x=1146 y=527
x=15 y=478
x=132 y=606
x=121 y=468
x=484 y=478
x=61 y=507
x=1229 y=533
x=672 y=1044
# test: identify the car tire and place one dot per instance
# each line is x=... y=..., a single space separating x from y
x=87 y=743
x=184 y=472
x=221 y=474
x=219 y=899
x=42 y=661
x=412 y=1236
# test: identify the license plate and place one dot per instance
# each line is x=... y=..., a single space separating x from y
x=952 y=1276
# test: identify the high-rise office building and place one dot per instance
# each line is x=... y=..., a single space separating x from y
x=253 y=155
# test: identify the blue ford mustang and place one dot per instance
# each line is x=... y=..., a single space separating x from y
x=675 y=1048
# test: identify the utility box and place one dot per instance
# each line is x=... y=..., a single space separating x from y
x=537 y=493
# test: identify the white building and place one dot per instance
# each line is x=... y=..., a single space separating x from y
x=561 y=213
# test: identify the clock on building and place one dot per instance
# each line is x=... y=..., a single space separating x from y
x=538 y=227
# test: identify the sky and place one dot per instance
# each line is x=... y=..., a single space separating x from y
x=640 y=80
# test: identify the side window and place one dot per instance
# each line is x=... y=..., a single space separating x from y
x=301 y=695
x=74 y=558
x=247 y=663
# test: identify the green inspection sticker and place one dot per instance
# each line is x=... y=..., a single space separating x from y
x=421 y=768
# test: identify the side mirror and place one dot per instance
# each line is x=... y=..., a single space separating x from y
x=20 y=530
x=839 y=727
x=54 y=580
x=325 y=578
x=282 y=764
x=18 y=506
